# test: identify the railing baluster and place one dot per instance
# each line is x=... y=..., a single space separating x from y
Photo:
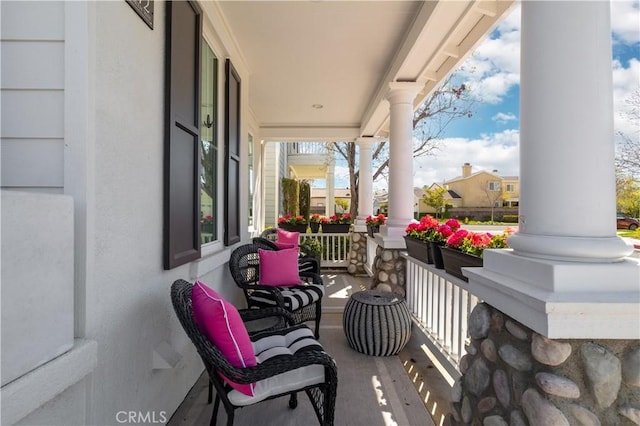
x=440 y=304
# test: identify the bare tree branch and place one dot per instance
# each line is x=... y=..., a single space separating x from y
x=439 y=110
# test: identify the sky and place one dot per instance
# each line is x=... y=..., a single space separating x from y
x=489 y=140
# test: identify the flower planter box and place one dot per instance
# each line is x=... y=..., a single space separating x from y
x=315 y=227
x=302 y=228
x=455 y=259
x=418 y=249
x=436 y=254
x=372 y=230
x=207 y=228
x=336 y=228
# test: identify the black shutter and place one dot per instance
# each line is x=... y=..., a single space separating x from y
x=182 y=134
x=232 y=155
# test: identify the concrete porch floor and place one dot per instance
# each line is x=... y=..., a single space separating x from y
x=401 y=390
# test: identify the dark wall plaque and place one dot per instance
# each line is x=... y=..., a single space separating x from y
x=144 y=8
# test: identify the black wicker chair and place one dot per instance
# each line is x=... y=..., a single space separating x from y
x=270 y=234
x=305 y=263
x=322 y=393
x=303 y=301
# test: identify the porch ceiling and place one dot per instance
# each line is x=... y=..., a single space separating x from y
x=343 y=55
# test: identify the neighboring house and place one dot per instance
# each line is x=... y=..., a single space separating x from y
x=484 y=189
x=319 y=198
x=451 y=199
x=301 y=161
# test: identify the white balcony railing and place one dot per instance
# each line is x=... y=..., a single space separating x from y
x=335 y=251
x=440 y=304
x=307 y=148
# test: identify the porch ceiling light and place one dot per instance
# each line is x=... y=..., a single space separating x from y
x=317 y=106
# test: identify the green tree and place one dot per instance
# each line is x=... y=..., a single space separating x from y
x=434 y=197
x=343 y=203
x=305 y=199
x=628 y=196
x=290 y=196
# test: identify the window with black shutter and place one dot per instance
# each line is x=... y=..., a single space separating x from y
x=182 y=134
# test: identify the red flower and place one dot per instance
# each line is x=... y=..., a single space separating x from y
x=376 y=220
x=453 y=224
x=457 y=238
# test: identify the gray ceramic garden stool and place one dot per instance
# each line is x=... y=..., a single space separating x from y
x=376 y=323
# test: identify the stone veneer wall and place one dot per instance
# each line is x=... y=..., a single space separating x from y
x=389 y=271
x=357 y=253
x=514 y=376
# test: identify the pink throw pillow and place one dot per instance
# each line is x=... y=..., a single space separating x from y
x=287 y=237
x=220 y=321
x=279 y=268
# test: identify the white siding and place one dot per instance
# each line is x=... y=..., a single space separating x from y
x=31 y=143
x=94 y=129
x=271 y=197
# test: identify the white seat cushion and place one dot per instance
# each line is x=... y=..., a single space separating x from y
x=282 y=383
x=285 y=342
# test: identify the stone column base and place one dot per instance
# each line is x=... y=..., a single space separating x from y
x=357 y=254
x=389 y=271
x=511 y=373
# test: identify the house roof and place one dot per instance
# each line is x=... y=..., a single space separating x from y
x=343 y=55
x=472 y=175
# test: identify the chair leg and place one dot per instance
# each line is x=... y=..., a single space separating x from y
x=318 y=315
x=210 y=396
x=214 y=414
x=230 y=418
x=293 y=400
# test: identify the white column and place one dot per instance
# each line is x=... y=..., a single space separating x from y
x=330 y=208
x=567 y=190
x=400 y=97
x=365 y=179
x=566 y=276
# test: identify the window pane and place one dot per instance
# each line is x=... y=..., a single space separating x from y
x=209 y=147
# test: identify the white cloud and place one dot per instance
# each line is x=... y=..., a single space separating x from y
x=625 y=82
x=625 y=21
x=494 y=66
x=498 y=151
x=502 y=118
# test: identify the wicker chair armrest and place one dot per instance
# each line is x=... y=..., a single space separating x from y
x=309 y=264
x=256 y=314
x=265 y=243
x=275 y=292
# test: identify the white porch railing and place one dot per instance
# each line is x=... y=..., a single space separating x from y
x=307 y=148
x=335 y=249
x=440 y=305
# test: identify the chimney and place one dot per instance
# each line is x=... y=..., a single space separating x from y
x=466 y=170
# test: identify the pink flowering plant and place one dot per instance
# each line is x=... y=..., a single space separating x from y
x=340 y=218
x=290 y=219
x=316 y=218
x=375 y=220
x=206 y=220
x=422 y=230
x=474 y=243
x=444 y=231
